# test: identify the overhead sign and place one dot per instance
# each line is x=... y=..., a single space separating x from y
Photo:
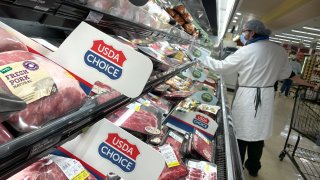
x=95 y=56
x=187 y=122
x=106 y=148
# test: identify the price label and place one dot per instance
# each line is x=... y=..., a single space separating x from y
x=169 y=156
x=135 y=106
x=70 y=167
x=144 y=102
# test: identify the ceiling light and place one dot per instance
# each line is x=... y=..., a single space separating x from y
x=236 y=17
x=288 y=37
x=275 y=41
x=310 y=28
x=313 y=34
x=234 y=21
x=238 y=13
x=278 y=39
x=297 y=36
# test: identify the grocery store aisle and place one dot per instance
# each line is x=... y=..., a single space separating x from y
x=272 y=168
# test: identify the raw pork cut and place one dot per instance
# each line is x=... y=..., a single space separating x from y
x=9 y=42
x=5 y=136
x=44 y=169
x=178 y=95
x=134 y=120
x=104 y=92
x=68 y=97
x=202 y=146
x=176 y=172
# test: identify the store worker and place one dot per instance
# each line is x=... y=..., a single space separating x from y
x=260 y=63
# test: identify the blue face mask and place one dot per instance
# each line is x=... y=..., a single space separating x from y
x=242 y=39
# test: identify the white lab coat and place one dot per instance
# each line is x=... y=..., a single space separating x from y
x=259 y=64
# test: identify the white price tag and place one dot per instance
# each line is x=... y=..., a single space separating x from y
x=176 y=137
x=70 y=167
x=169 y=156
x=144 y=102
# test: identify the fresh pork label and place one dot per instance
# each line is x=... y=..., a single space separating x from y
x=105 y=59
x=120 y=152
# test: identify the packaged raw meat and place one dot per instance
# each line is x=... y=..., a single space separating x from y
x=103 y=92
x=173 y=138
x=180 y=9
x=49 y=91
x=54 y=167
x=136 y=118
x=174 y=169
x=188 y=105
x=9 y=42
x=201 y=170
x=178 y=95
x=5 y=135
x=201 y=145
x=161 y=89
x=179 y=84
x=99 y=5
x=9 y=105
x=209 y=110
x=159 y=103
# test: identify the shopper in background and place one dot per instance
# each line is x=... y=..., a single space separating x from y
x=296 y=68
x=260 y=63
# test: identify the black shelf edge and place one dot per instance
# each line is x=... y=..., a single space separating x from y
x=28 y=148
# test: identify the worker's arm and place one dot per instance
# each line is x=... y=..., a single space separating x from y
x=230 y=65
x=302 y=82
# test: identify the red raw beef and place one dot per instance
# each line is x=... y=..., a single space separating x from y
x=69 y=96
x=9 y=42
x=44 y=169
x=178 y=95
x=102 y=98
x=176 y=172
x=137 y=121
x=174 y=143
x=5 y=135
x=163 y=104
x=202 y=147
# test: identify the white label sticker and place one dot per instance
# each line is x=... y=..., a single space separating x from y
x=169 y=155
x=144 y=102
x=176 y=137
x=70 y=167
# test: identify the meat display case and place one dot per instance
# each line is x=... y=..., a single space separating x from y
x=56 y=23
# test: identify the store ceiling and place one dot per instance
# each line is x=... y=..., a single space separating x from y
x=283 y=16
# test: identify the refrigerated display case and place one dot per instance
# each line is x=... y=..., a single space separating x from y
x=54 y=22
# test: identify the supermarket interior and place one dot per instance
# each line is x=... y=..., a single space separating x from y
x=159 y=89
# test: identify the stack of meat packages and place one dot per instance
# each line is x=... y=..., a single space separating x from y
x=183 y=18
x=33 y=89
x=190 y=158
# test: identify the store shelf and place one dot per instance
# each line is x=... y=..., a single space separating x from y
x=68 y=15
x=306 y=161
x=27 y=148
x=227 y=153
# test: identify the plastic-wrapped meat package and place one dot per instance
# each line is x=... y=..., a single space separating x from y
x=104 y=92
x=136 y=118
x=123 y=9
x=9 y=42
x=161 y=89
x=178 y=95
x=174 y=139
x=101 y=5
x=49 y=90
x=175 y=172
x=53 y=168
x=201 y=170
x=9 y=105
x=5 y=135
x=159 y=103
x=202 y=146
